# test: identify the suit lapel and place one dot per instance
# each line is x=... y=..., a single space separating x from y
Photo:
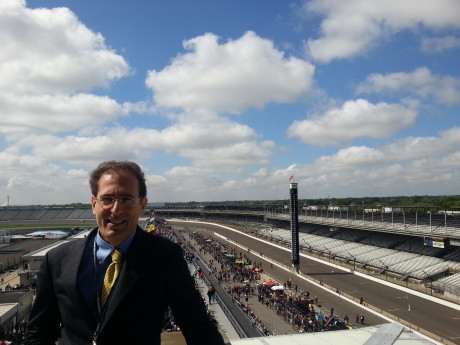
x=70 y=267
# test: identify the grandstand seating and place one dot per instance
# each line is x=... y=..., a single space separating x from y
x=434 y=270
x=349 y=235
x=12 y=214
x=403 y=263
x=76 y=214
x=8 y=214
x=416 y=265
x=346 y=248
x=362 y=251
x=51 y=214
x=37 y=214
x=454 y=255
x=64 y=214
x=450 y=283
x=88 y=214
x=381 y=239
x=23 y=214
x=415 y=245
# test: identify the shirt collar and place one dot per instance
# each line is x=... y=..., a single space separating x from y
x=103 y=249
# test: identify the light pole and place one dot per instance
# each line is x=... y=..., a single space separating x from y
x=430 y=280
x=385 y=267
x=354 y=261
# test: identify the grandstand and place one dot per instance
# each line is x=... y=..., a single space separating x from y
x=44 y=214
x=403 y=264
x=387 y=243
x=417 y=223
x=11 y=214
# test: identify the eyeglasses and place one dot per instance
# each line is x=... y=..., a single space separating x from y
x=108 y=201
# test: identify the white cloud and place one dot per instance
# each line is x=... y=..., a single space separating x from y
x=430 y=164
x=438 y=45
x=29 y=179
x=233 y=156
x=54 y=113
x=351 y=27
x=193 y=132
x=260 y=173
x=48 y=58
x=182 y=172
x=351 y=158
x=51 y=51
x=47 y=61
x=13 y=162
x=355 y=119
x=192 y=182
x=420 y=82
x=220 y=142
x=230 y=77
x=156 y=180
x=413 y=148
x=405 y=166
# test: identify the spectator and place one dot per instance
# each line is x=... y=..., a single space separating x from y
x=70 y=305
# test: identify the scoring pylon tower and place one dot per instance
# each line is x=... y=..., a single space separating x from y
x=294 y=227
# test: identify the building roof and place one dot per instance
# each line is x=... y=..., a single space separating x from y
x=388 y=334
x=12 y=296
x=81 y=234
x=40 y=254
x=6 y=311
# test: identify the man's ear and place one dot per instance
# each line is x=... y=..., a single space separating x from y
x=93 y=203
x=143 y=205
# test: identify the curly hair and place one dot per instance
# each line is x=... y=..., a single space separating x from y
x=127 y=166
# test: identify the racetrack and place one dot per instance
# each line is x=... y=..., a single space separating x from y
x=419 y=313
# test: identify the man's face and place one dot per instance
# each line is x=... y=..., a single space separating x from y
x=118 y=222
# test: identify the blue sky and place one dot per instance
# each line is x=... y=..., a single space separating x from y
x=225 y=100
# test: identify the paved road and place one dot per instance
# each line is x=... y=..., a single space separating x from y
x=437 y=319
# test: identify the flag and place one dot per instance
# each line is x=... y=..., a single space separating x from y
x=290 y=178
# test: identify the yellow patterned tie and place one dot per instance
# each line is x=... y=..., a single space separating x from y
x=111 y=274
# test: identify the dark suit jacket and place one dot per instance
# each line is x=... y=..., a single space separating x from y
x=154 y=275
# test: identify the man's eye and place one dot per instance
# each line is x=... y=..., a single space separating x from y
x=106 y=200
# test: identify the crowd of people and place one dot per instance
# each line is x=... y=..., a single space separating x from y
x=299 y=309
x=241 y=277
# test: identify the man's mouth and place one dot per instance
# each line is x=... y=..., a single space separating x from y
x=115 y=222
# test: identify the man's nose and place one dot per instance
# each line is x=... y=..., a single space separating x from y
x=117 y=205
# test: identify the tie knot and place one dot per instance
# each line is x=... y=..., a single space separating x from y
x=116 y=255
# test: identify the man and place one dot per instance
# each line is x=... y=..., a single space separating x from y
x=71 y=304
